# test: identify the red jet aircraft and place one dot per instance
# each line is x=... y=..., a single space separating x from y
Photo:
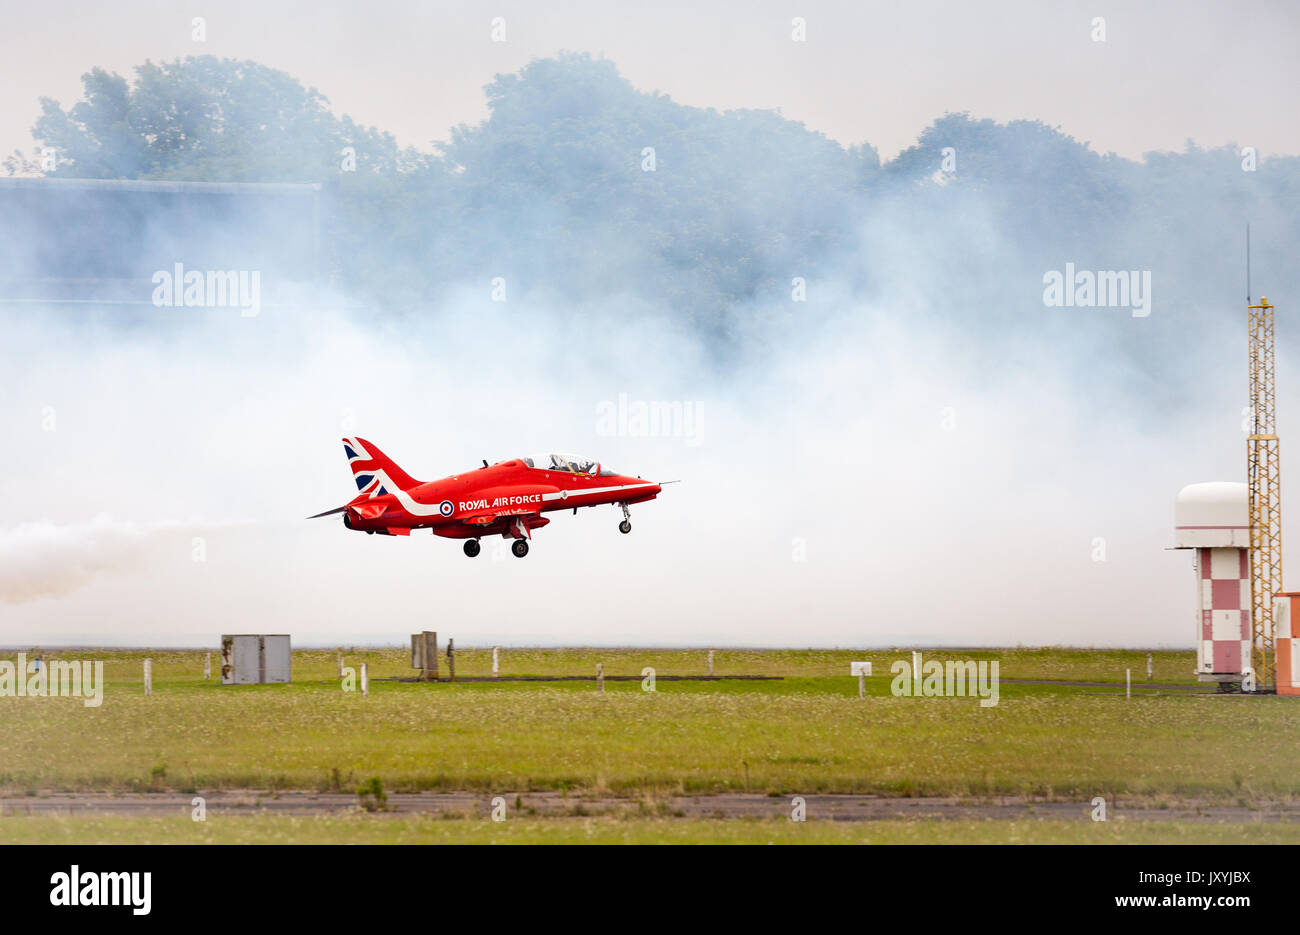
x=506 y=499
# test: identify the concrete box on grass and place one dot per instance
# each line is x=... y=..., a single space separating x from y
x=255 y=658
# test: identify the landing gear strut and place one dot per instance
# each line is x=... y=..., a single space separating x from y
x=626 y=526
x=519 y=547
x=472 y=547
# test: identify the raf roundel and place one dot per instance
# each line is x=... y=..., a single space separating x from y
x=446 y=508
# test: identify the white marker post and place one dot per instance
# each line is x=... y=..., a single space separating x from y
x=1148 y=667
x=710 y=663
x=148 y=677
x=861 y=670
x=1128 y=683
x=365 y=681
x=207 y=666
x=600 y=676
x=496 y=668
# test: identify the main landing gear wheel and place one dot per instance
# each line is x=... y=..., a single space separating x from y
x=472 y=547
x=520 y=548
x=625 y=527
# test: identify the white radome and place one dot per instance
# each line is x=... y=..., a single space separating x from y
x=1214 y=514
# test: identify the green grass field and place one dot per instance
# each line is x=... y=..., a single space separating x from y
x=367 y=829
x=808 y=733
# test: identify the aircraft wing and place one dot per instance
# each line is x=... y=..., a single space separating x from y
x=520 y=523
x=327 y=513
x=368 y=510
x=488 y=517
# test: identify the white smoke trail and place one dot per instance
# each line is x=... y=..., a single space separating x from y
x=46 y=559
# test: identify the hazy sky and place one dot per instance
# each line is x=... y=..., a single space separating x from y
x=1167 y=71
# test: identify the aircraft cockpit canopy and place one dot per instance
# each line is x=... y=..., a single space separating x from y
x=570 y=463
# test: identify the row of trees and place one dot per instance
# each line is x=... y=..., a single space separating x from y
x=580 y=184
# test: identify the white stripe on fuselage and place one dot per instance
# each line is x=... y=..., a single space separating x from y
x=410 y=505
x=583 y=493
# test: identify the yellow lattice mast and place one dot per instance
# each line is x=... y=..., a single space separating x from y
x=1265 y=479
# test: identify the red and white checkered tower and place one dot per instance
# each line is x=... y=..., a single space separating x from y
x=1214 y=519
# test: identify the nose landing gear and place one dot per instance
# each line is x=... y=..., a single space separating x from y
x=626 y=526
x=472 y=547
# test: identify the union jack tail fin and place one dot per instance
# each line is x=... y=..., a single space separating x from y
x=374 y=472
